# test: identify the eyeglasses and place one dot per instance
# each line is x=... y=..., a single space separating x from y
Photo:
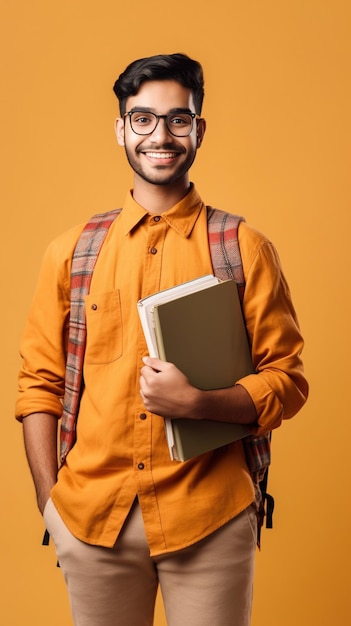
x=179 y=124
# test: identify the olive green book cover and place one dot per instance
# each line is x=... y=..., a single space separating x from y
x=204 y=335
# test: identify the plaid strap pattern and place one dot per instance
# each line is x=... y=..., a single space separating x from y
x=226 y=262
x=83 y=263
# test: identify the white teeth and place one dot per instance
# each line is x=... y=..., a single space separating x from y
x=161 y=155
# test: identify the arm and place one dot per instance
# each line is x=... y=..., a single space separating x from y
x=40 y=440
x=278 y=389
x=41 y=378
x=44 y=339
x=167 y=392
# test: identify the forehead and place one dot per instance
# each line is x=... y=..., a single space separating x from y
x=162 y=96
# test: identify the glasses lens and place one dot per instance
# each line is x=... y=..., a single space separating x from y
x=143 y=123
x=179 y=124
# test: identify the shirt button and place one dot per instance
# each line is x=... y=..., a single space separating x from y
x=157 y=218
x=153 y=250
x=141 y=466
x=143 y=416
x=94 y=307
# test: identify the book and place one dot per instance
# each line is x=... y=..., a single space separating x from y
x=188 y=438
x=203 y=333
x=146 y=306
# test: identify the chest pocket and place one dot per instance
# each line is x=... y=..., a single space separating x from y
x=104 y=328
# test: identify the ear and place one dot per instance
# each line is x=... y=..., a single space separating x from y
x=119 y=130
x=201 y=129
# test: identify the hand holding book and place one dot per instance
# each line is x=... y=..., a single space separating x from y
x=165 y=390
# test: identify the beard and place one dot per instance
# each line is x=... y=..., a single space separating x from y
x=161 y=175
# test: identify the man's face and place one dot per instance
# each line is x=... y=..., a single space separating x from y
x=160 y=158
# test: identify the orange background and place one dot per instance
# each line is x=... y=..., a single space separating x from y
x=277 y=150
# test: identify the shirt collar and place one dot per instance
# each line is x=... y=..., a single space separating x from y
x=181 y=217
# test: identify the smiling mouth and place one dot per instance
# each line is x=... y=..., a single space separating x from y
x=161 y=155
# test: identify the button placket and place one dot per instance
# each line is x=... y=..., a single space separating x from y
x=156 y=233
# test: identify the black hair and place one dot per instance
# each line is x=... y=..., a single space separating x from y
x=178 y=67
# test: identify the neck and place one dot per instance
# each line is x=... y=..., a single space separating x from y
x=157 y=199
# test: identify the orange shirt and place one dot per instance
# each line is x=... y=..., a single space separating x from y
x=121 y=450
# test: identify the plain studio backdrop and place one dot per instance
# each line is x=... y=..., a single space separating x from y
x=277 y=150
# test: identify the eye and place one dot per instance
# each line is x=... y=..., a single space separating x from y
x=142 y=119
x=180 y=120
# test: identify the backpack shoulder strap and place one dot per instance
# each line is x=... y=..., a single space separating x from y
x=224 y=246
x=83 y=262
x=226 y=261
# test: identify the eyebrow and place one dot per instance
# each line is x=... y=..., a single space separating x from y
x=150 y=110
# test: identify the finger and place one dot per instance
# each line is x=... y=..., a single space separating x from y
x=155 y=364
x=142 y=383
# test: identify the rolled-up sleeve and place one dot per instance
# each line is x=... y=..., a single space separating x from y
x=279 y=388
x=43 y=343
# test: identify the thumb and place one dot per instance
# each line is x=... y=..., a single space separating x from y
x=154 y=363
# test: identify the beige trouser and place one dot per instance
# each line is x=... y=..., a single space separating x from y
x=207 y=584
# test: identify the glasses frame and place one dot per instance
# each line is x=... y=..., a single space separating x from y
x=162 y=117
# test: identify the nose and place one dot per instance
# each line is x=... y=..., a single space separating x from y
x=161 y=131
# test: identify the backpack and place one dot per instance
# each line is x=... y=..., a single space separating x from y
x=226 y=262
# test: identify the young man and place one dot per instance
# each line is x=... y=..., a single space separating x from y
x=123 y=516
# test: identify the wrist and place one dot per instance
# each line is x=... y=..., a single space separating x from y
x=198 y=403
x=43 y=496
